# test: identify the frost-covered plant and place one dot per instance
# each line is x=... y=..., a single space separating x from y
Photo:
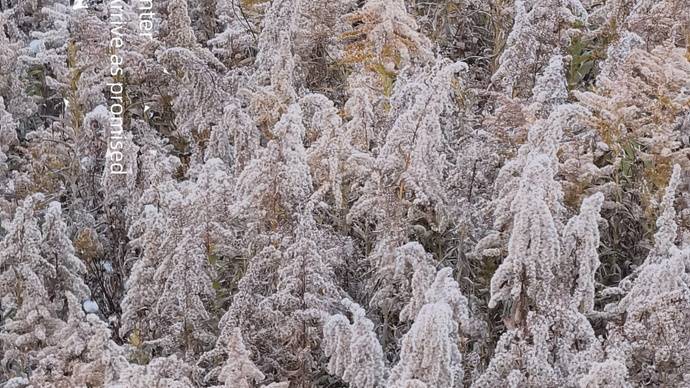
x=28 y=314
x=186 y=291
x=429 y=355
x=140 y=295
x=199 y=94
x=657 y=22
x=235 y=42
x=354 y=352
x=283 y=156
x=655 y=302
x=328 y=155
x=239 y=371
x=543 y=138
x=545 y=279
x=391 y=36
x=167 y=371
x=10 y=83
x=551 y=347
x=648 y=104
x=79 y=353
x=275 y=185
x=549 y=89
x=257 y=283
x=384 y=39
x=291 y=301
x=150 y=235
x=540 y=28
x=306 y=290
x=244 y=135
x=57 y=249
x=406 y=182
x=430 y=352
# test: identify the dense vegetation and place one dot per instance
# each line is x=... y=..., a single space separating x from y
x=345 y=193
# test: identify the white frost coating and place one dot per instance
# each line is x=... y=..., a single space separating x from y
x=658 y=301
x=546 y=277
x=533 y=247
x=580 y=256
x=386 y=22
x=57 y=247
x=537 y=28
x=277 y=182
x=239 y=371
x=288 y=154
x=429 y=350
x=550 y=89
x=355 y=352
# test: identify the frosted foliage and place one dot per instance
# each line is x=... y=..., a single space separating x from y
x=411 y=164
x=549 y=89
x=274 y=91
x=540 y=28
x=10 y=84
x=292 y=289
x=278 y=26
x=275 y=184
x=214 y=188
x=445 y=289
x=422 y=278
x=344 y=193
x=327 y=157
x=179 y=25
x=219 y=145
x=618 y=53
x=388 y=27
x=355 y=352
x=657 y=301
x=172 y=279
x=305 y=279
x=557 y=348
x=429 y=350
x=53 y=42
x=607 y=374
x=239 y=371
x=57 y=248
x=141 y=292
x=305 y=293
x=33 y=323
x=187 y=287
x=235 y=39
x=199 y=96
x=244 y=134
x=21 y=243
x=360 y=127
x=29 y=316
x=429 y=353
x=580 y=256
x=79 y=354
x=533 y=248
x=543 y=137
x=397 y=265
x=161 y=371
x=257 y=283
x=8 y=134
x=546 y=279
x=659 y=22
x=667 y=229
x=635 y=102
